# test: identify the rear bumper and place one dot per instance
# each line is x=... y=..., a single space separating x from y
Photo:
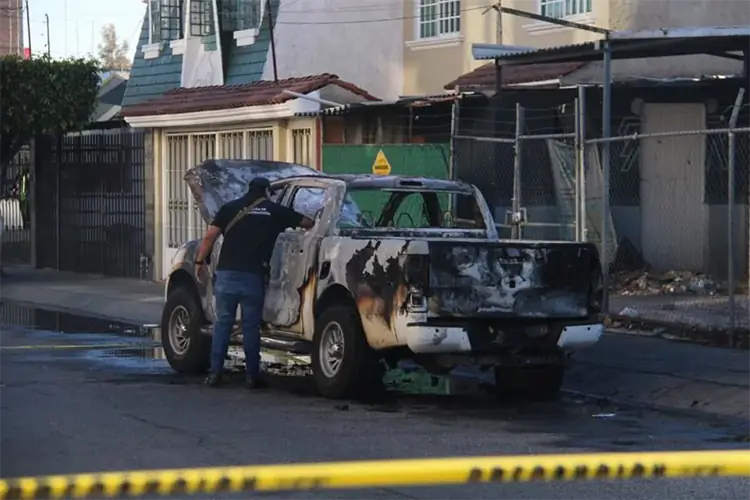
x=427 y=339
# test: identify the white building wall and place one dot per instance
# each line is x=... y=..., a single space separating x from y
x=361 y=41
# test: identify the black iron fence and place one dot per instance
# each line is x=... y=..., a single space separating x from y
x=14 y=211
x=88 y=203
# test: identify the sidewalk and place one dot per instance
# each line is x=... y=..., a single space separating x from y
x=119 y=299
x=636 y=369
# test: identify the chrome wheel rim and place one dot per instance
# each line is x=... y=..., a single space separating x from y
x=179 y=340
x=331 y=349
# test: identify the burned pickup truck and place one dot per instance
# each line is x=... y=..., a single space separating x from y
x=394 y=268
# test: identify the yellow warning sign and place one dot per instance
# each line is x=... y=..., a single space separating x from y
x=381 y=166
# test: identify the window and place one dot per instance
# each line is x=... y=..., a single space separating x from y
x=308 y=200
x=201 y=18
x=564 y=8
x=439 y=18
x=166 y=20
x=238 y=15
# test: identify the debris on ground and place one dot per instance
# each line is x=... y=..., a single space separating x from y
x=643 y=282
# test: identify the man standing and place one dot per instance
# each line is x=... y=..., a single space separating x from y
x=250 y=226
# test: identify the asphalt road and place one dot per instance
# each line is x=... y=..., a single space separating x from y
x=109 y=407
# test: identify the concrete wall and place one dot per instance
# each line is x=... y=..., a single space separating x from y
x=430 y=63
x=344 y=37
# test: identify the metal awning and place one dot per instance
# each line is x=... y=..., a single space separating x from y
x=722 y=41
x=411 y=101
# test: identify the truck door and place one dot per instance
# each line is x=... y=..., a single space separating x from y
x=290 y=294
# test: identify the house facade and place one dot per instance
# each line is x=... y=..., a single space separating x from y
x=667 y=195
x=207 y=82
x=11 y=27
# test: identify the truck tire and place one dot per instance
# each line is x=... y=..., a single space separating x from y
x=187 y=350
x=542 y=383
x=343 y=364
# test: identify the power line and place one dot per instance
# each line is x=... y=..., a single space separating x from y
x=369 y=21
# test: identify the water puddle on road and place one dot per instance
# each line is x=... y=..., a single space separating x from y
x=24 y=316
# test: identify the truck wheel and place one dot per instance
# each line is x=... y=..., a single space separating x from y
x=343 y=364
x=541 y=383
x=187 y=350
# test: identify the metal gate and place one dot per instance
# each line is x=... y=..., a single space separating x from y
x=183 y=221
x=90 y=202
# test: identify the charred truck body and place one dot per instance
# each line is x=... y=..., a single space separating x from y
x=394 y=268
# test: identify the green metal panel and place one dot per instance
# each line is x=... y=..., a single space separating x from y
x=419 y=160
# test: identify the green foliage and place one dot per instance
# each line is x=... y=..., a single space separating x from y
x=42 y=95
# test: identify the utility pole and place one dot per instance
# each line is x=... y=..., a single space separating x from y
x=46 y=21
x=28 y=25
x=273 y=42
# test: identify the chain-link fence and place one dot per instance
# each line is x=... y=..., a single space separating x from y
x=674 y=221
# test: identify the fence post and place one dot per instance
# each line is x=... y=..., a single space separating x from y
x=516 y=201
x=582 y=165
x=577 y=146
x=730 y=212
x=60 y=155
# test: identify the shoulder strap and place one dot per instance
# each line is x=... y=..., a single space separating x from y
x=242 y=213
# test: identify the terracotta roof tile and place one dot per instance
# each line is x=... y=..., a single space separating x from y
x=484 y=76
x=263 y=92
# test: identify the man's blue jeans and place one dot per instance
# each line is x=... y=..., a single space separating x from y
x=233 y=288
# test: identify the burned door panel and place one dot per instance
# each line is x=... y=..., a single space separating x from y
x=293 y=268
x=497 y=279
x=372 y=270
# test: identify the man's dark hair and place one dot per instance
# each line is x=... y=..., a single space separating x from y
x=258 y=187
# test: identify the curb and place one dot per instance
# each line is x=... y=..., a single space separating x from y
x=678 y=331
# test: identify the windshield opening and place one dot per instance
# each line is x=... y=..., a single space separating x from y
x=373 y=208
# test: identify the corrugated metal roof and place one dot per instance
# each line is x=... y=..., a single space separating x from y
x=489 y=51
x=411 y=101
x=625 y=44
x=484 y=76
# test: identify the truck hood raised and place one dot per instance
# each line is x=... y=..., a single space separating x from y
x=216 y=182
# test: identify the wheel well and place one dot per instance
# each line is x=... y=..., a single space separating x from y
x=334 y=295
x=181 y=279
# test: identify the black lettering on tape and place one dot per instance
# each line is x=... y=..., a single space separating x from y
x=70 y=487
x=96 y=490
x=179 y=486
x=14 y=492
x=581 y=472
x=201 y=488
x=124 y=488
x=660 y=470
x=151 y=487
x=517 y=473
x=475 y=475
x=537 y=473
x=43 y=491
x=223 y=485
x=638 y=471
x=602 y=472
x=497 y=474
x=559 y=472
x=620 y=472
x=249 y=483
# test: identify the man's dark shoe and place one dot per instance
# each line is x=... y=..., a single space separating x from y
x=252 y=383
x=213 y=380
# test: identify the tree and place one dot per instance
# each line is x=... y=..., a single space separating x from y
x=113 y=54
x=41 y=96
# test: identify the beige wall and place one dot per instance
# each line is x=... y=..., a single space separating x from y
x=528 y=33
x=430 y=64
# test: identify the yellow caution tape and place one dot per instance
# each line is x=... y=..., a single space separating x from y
x=386 y=473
